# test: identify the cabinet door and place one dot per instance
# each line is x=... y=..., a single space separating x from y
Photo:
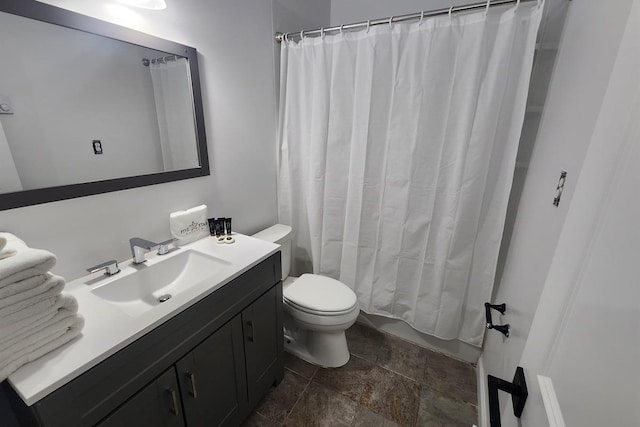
x=156 y=405
x=212 y=379
x=263 y=343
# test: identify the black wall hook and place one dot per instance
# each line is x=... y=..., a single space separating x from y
x=502 y=308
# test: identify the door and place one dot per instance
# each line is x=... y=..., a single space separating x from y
x=212 y=381
x=585 y=338
x=156 y=405
x=263 y=343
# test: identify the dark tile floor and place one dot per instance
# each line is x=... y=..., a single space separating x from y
x=388 y=382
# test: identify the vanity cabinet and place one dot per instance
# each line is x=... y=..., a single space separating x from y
x=212 y=380
x=262 y=352
x=156 y=405
x=209 y=365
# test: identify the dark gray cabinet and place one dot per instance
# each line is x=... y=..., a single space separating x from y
x=209 y=365
x=156 y=405
x=262 y=352
x=212 y=379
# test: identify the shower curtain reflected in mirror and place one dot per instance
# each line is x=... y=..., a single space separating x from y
x=174 y=107
x=9 y=179
x=397 y=152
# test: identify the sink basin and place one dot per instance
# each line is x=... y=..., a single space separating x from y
x=151 y=284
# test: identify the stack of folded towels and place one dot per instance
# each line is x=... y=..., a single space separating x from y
x=35 y=318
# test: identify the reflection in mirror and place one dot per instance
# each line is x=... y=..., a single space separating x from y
x=88 y=107
x=64 y=89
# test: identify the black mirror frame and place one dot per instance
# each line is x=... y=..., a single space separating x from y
x=54 y=15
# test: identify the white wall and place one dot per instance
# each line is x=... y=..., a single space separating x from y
x=68 y=88
x=580 y=78
x=585 y=332
x=235 y=44
x=349 y=11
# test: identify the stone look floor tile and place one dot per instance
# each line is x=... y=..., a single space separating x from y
x=388 y=382
x=402 y=357
x=350 y=379
x=299 y=366
x=320 y=406
x=439 y=411
x=364 y=342
x=450 y=378
x=280 y=400
x=393 y=396
x=257 y=420
x=366 y=418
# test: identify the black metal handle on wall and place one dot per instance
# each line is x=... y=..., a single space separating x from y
x=502 y=308
x=517 y=389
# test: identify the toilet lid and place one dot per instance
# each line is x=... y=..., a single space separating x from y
x=320 y=293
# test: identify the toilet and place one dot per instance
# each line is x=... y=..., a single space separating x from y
x=317 y=309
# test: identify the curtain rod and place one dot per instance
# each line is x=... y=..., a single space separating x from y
x=419 y=15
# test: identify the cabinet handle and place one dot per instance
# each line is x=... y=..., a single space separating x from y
x=250 y=336
x=174 y=401
x=192 y=383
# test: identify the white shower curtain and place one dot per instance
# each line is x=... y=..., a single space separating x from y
x=397 y=151
x=174 y=108
x=9 y=179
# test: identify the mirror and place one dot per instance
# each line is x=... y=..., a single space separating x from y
x=88 y=107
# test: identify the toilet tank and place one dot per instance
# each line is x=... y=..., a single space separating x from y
x=282 y=235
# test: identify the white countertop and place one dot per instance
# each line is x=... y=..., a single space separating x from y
x=108 y=330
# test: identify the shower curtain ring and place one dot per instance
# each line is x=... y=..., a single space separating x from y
x=391 y=23
x=421 y=18
x=368 y=25
x=286 y=37
x=341 y=28
x=322 y=32
x=450 y=11
x=517 y=4
x=486 y=11
x=301 y=35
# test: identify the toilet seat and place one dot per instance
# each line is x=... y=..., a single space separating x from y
x=320 y=295
x=318 y=312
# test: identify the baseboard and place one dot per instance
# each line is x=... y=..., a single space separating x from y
x=483 y=394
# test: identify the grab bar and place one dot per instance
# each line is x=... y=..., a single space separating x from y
x=502 y=308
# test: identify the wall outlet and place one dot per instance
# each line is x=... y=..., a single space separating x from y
x=97 y=146
x=559 y=188
x=6 y=107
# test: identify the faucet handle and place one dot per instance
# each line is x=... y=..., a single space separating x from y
x=110 y=267
x=163 y=247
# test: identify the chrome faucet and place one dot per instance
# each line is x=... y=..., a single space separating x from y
x=110 y=268
x=139 y=247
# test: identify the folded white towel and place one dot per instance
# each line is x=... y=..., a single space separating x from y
x=9 y=331
x=23 y=285
x=190 y=225
x=24 y=309
x=42 y=335
x=7 y=344
x=12 y=269
x=28 y=351
x=53 y=284
x=10 y=244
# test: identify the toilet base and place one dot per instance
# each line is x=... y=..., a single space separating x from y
x=326 y=349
